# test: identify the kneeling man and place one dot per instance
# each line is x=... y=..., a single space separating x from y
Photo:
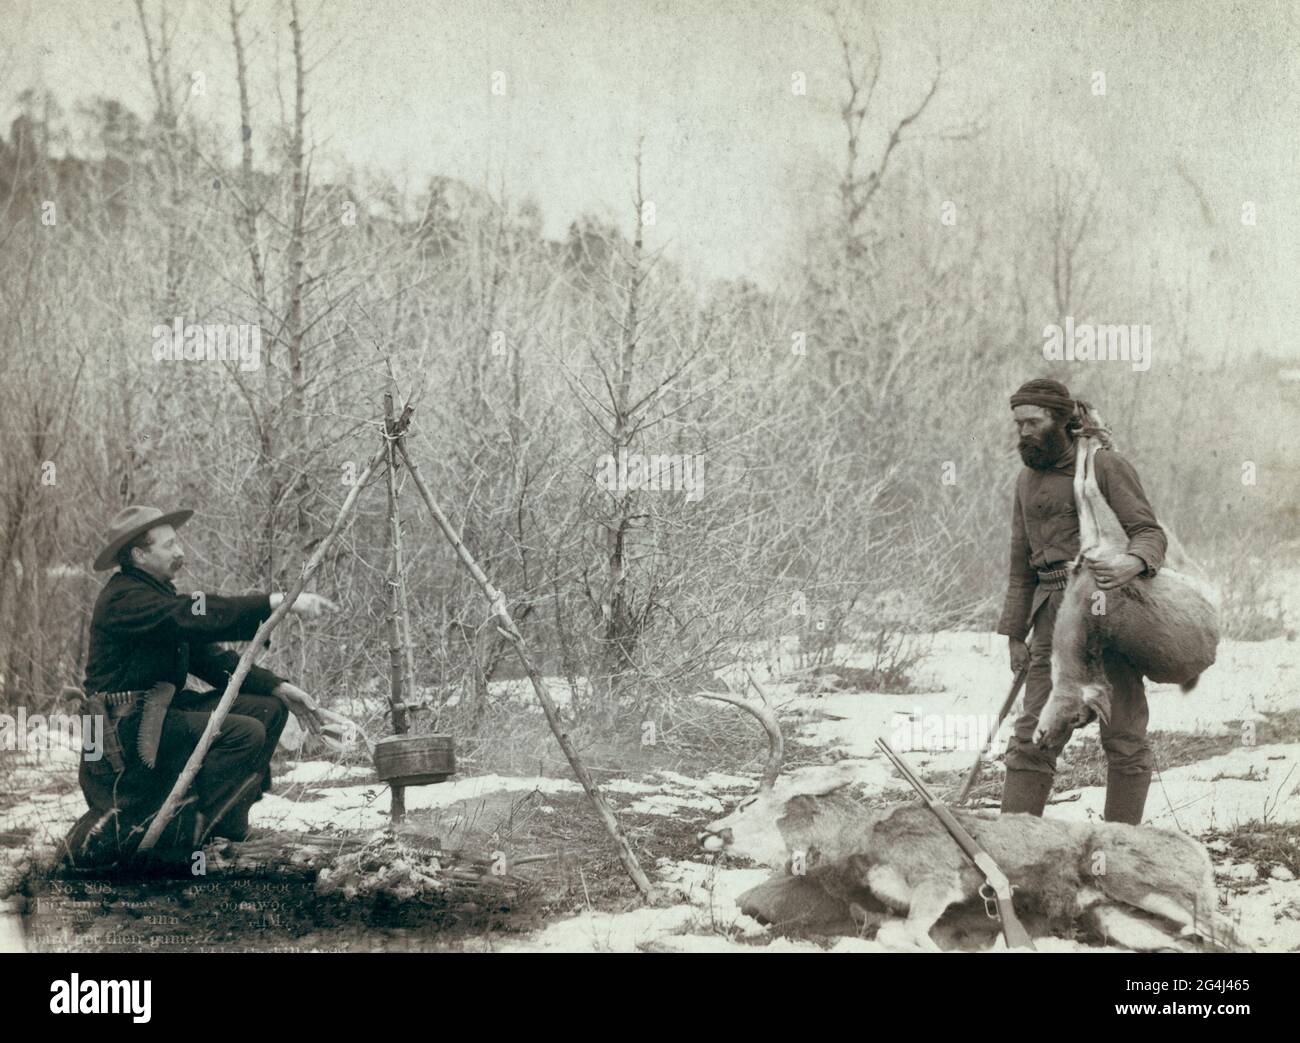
x=145 y=638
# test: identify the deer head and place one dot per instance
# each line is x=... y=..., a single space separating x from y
x=1081 y=691
x=783 y=815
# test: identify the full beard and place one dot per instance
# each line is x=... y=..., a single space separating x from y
x=1041 y=453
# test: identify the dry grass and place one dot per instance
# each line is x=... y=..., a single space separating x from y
x=1267 y=844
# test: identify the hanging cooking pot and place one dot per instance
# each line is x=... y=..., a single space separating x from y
x=415 y=760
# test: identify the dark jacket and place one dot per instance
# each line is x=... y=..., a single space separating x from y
x=143 y=632
x=1045 y=528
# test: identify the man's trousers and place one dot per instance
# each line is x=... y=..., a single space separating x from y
x=1124 y=738
x=243 y=746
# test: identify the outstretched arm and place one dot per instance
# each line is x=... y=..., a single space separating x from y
x=215 y=665
x=138 y=610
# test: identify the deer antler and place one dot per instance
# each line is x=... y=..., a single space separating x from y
x=766 y=716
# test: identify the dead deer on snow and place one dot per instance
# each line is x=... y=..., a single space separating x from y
x=1142 y=888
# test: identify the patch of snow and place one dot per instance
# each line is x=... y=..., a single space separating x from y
x=48 y=815
x=593 y=931
x=717 y=943
x=1269 y=915
x=519 y=691
x=366 y=807
x=1197 y=798
x=324 y=771
x=11 y=927
x=670 y=804
x=627 y=786
x=705 y=920
x=671 y=792
x=716 y=780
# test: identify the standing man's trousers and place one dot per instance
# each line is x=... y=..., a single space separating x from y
x=1124 y=738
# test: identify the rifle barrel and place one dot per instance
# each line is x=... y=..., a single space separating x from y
x=906 y=772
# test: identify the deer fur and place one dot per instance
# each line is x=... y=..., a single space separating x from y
x=843 y=865
x=1166 y=625
x=1139 y=887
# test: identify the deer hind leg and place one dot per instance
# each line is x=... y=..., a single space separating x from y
x=1169 y=909
x=1218 y=932
x=1205 y=923
x=1130 y=930
x=1100 y=531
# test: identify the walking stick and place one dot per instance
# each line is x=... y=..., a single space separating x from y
x=1010 y=700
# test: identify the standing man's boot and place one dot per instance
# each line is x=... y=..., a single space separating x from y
x=1025 y=792
x=1126 y=797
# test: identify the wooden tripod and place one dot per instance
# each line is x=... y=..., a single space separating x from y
x=394 y=447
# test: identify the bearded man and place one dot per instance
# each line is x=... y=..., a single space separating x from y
x=1044 y=539
x=145 y=639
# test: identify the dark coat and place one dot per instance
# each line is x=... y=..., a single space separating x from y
x=143 y=632
x=1045 y=528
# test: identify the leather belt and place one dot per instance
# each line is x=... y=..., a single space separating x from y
x=120 y=704
x=1054 y=578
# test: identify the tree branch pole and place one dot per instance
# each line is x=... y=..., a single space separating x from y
x=408 y=645
x=397 y=687
x=218 y=717
x=497 y=602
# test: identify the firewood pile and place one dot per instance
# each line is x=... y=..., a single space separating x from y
x=403 y=865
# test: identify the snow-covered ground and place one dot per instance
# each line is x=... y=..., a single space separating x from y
x=963 y=680
x=965 y=677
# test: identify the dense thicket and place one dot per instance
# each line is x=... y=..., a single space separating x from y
x=847 y=425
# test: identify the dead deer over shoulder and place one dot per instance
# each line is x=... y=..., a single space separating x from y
x=1165 y=625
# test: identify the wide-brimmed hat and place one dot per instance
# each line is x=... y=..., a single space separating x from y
x=129 y=523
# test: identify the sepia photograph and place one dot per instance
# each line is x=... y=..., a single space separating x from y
x=650 y=476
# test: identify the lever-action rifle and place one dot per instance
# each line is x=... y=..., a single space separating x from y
x=996 y=889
